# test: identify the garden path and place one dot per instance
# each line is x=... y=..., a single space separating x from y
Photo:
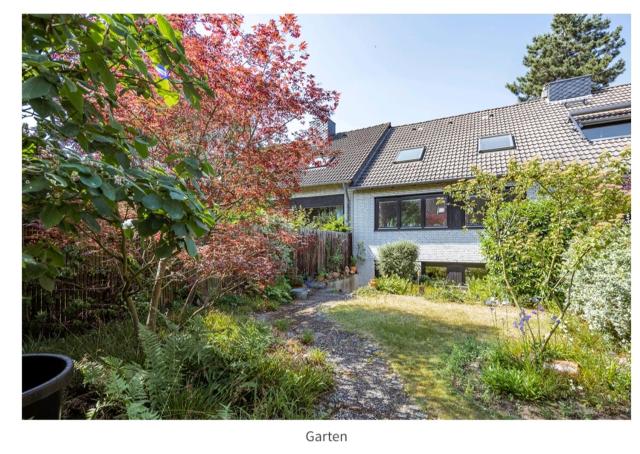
x=365 y=385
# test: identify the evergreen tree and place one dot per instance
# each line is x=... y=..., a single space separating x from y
x=577 y=45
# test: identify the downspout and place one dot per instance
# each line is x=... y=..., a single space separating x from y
x=347 y=205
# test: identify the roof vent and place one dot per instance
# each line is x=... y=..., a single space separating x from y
x=567 y=89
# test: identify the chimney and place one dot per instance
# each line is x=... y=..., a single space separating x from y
x=327 y=129
x=571 y=89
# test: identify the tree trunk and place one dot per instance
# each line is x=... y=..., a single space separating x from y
x=156 y=294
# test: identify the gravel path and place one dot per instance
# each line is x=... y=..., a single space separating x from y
x=365 y=385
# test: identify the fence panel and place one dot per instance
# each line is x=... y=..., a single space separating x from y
x=320 y=251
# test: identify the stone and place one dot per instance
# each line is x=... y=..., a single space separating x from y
x=300 y=293
x=564 y=367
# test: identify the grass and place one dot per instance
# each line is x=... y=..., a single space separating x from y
x=463 y=361
x=418 y=337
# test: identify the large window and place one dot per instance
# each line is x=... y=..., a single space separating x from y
x=607 y=130
x=411 y=212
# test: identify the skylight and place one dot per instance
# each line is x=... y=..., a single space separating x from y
x=412 y=154
x=494 y=143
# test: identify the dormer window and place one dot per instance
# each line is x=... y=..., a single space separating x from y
x=610 y=130
x=411 y=154
x=495 y=143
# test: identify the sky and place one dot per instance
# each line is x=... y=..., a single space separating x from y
x=410 y=68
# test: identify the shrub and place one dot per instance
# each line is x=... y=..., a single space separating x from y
x=396 y=286
x=217 y=367
x=279 y=292
x=602 y=290
x=398 y=259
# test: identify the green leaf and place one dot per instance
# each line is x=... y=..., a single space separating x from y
x=192 y=249
x=108 y=191
x=152 y=201
x=174 y=209
x=164 y=250
x=177 y=195
x=179 y=229
x=46 y=283
x=169 y=95
x=51 y=216
x=142 y=147
x=37 y=87
x=102 y=207
x=91 y=221
x=35 y=185
x=92 y=181
x=165 y=29
x=71 y=92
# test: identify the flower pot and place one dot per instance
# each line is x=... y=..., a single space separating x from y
x=44 y=378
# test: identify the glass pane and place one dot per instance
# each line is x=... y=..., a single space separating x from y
x=410 y=213
x=476 y=215
x=434 y=273
x=435 y=212
x=388 y=215
x=605 y=131
x=495 y=143
x=413 y=154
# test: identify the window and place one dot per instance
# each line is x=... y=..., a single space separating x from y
x=435 y=212
x=475 y=217
x=388 y=215
x=412 y=154
x=607 y=130
x=494 y=143
x=411 y=212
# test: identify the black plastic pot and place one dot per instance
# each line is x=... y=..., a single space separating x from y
x=44 y=378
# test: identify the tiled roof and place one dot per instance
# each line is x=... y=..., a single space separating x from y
x=539 y=128
x=353 y=148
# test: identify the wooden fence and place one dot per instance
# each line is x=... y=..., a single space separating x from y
x=320 y=251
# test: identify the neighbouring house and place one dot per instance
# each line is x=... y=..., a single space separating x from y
x=396 y=193
x=326 y=186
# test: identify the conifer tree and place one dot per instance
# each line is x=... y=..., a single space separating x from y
x=577 y=45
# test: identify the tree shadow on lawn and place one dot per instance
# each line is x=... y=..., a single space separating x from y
x=418 y=347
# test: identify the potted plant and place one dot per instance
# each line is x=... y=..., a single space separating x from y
x=44 y=379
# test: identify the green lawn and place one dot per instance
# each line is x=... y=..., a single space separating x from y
x=417 y=337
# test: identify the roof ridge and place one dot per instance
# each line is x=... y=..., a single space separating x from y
x=532 y=100
x=388 y=123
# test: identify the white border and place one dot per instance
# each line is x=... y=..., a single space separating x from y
x=266 y=436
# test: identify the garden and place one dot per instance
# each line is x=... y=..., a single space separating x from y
x=546 y=332
x=157 y=169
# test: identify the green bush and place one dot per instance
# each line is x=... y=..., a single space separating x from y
x=216 y=367
x=396 y=286
x=279 y=292
x=602 y=289
x=398 y=259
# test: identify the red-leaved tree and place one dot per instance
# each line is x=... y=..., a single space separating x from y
x=259 y=88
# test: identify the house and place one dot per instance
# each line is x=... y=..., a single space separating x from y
x=397 y=193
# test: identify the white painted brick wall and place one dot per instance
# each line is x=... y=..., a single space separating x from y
x=455 y=245
x=317 y=191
